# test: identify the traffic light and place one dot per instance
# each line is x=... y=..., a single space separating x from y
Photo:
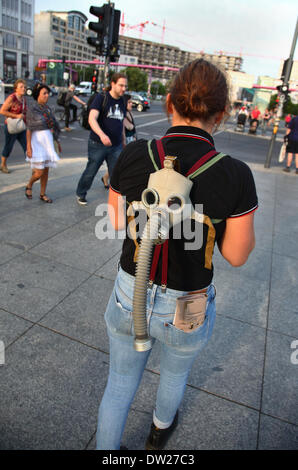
x=283 y=89
x=114 y=53
x=94 y=81
x=101 y=28
x=114 y=50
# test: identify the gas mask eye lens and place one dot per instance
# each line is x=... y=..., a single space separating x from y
x=174 y=203
x=150 y=198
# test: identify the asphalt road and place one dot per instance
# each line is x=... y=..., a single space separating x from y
x=153 y=124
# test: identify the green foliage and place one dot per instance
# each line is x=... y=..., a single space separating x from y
x=137 y=80
x=272 y=104
x=157 y=88
x=288 y=108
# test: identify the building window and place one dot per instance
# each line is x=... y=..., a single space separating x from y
x=25 y=44
x=9 y=23
x=25 y=27
x=10 y=40
x=70 y=21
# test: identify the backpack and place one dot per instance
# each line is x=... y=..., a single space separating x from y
x=205 y=162
x=86 y=111
x=61 y=98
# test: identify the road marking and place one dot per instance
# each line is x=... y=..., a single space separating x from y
x=78 y=138
x=144 y=115
x=151 y=123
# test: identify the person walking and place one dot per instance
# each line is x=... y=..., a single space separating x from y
x=107 y=135
x=68 y=105
x=197 y=103
x=42 y=133
x=291 y=139
x=265 y=123
x=129 y=124
x=14 y=107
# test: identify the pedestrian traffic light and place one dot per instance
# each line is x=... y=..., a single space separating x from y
x=94 y=80
x=101 y=28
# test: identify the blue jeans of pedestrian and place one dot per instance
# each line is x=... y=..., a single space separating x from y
x=97 y=153
x=10 y=140
x=178 y=352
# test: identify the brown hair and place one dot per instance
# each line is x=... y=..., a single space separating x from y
x=199 y=91
x=116 y=76
x=37 y=89
x=16 y=83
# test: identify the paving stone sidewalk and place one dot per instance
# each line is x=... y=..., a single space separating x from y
x=55 y=281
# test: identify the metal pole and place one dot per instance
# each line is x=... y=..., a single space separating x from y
x=281 y=99
x=106 y=72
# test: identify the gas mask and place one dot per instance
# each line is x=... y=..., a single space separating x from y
x=167 y=202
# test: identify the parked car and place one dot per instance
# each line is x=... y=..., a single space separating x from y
x=31 y=84
x=139 y=101
x=84 y=88
x=8 y=85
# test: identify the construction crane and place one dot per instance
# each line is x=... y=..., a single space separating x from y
x=126 y=26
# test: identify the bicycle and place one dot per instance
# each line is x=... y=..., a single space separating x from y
x=61 y=115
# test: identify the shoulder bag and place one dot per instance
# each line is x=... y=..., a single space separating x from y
x=16 y=125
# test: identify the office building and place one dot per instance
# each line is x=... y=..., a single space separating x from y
x=62 y=34
x=164 y=55
x=16 y=38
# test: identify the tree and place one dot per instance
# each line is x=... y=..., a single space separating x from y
x=273 y=102
x=136 y=79
x=288 y=107
x=157 y=88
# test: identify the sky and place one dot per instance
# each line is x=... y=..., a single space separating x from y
x=261 y=30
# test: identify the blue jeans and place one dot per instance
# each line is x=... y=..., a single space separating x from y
x=97 y=153
x=10 y=141
x=178 y=352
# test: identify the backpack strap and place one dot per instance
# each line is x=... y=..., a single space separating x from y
x=204 y=163
x=199 y=167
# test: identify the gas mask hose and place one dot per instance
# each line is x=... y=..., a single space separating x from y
x=150 y=236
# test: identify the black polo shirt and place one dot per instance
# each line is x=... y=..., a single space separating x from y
x=226 y=189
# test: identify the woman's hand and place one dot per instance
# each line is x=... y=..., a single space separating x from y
x=59 y=147
x=20 y=116
x=29 y=152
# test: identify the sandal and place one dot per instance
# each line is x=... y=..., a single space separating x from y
x=28 y=196
x=45 y=198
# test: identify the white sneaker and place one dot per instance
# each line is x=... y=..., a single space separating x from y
x=82 y=201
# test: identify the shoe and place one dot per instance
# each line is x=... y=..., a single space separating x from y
x=105 y=185
x=157 y=438
x=82 y=201
x=287 y=170
x=68 y=129
x=28 y=195
x=4 y=169
x=45 y=198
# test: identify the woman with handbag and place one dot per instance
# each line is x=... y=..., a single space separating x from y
x=42 y=141
x=14 y=108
